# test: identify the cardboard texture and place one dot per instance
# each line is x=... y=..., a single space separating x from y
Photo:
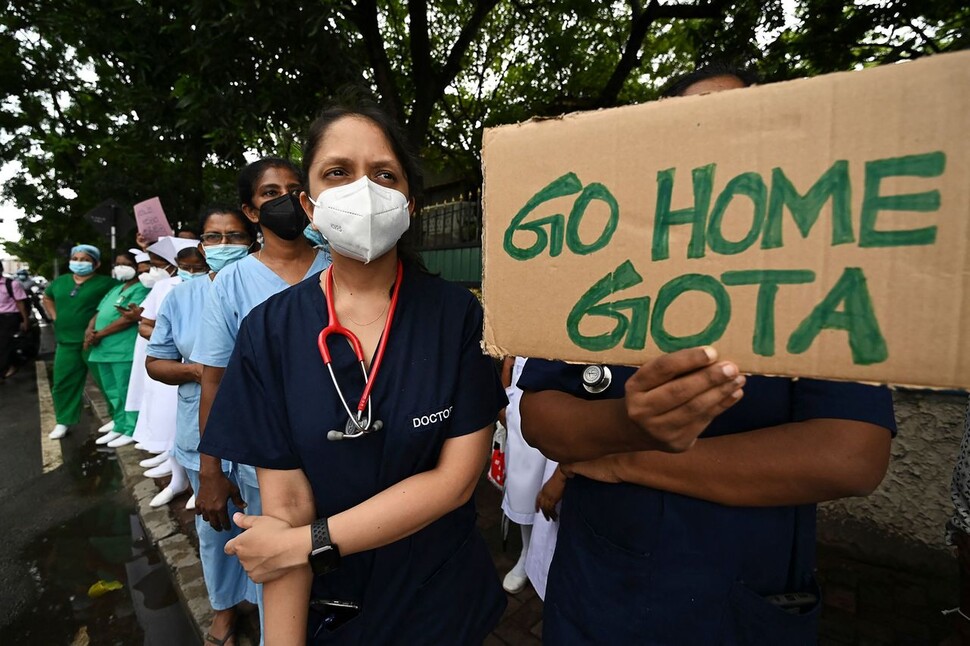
x=814 y=228
x=151 y=220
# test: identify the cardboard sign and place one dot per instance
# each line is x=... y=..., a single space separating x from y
x=817 y=228
x=152 y=223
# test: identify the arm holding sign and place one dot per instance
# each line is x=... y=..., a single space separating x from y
x=669 y=401
x=836 y=444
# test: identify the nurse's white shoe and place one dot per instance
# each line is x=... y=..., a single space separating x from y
x=107 y=428
x=160 y=471
x=166 y=495
x=140 y=446
x=514 y=583
x=190 y=503
x=120 y=441
x=154 y=461
x=107 y=437
x=59 y=431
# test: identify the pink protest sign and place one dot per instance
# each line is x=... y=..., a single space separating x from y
x=152 y=223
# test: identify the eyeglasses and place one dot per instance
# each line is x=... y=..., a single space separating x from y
x=233 y=237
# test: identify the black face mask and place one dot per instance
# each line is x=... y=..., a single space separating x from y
x=284 y=216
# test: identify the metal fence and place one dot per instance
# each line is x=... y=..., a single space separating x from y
x=449 y=237
x=450 y=225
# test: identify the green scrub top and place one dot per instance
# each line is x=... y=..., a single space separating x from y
x=119 y=346
x=76 y=304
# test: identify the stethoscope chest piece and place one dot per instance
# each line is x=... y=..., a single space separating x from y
x=352 y=430
x=357 y=424
x=596 y=379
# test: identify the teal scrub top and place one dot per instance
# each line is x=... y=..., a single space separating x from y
x=119 y=346
x=76 y=304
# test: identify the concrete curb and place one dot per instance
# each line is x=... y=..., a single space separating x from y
x=50 y=450
x=179 y=554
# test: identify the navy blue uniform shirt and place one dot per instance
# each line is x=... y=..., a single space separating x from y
x=277 y=403
x=639 y=565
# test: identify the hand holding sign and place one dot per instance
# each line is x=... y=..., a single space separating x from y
x=666 y=404
x=674 y=397
x=152 y=223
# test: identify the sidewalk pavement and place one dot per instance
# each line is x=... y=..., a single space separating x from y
x=163 y=529
x=171 y=529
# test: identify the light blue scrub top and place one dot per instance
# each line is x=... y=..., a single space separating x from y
x=236 y=290
x=176 y=331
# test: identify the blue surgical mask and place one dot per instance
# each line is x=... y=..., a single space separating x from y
x=318 y=241
x=81 y=267
x=315 y=238
x=220 y=255
x=188 y=275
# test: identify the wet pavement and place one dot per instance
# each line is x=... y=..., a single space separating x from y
x=69 y=528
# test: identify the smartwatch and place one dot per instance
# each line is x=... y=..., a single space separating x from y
x=324 y=555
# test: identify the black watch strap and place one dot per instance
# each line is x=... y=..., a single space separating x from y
x=324 y=556
x=319 y=534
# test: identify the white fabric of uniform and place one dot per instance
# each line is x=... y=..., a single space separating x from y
x=155 y=401
x=524 y=465
x=543 y=543
x=150 y=306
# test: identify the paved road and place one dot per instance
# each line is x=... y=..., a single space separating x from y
x=66 y=523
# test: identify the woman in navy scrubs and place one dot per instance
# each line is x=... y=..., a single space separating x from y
x=393 y=533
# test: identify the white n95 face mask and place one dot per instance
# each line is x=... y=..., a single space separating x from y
x=152 y=276
x=361 y=220
x=124 y=273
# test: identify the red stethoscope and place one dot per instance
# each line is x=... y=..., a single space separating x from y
x=356 y=425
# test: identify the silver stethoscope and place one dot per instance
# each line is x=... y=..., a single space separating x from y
x=357 y=423
x=596 y=379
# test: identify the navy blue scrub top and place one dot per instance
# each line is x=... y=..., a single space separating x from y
x=276 y=404
x=639 y=565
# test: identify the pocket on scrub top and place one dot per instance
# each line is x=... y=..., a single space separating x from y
x=593 y=581
x=319 y=632
x=758 y=621
x=615 y=524
x=461 y=600
x=450 y=562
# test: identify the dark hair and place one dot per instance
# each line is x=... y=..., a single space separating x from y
x=187 y=229
x=713 y=70
x=190 y=253
x=245 y=222
x=250 y=175
x=365 y=108
x=127 y=254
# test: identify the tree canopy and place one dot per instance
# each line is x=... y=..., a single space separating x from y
x=128 y=99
